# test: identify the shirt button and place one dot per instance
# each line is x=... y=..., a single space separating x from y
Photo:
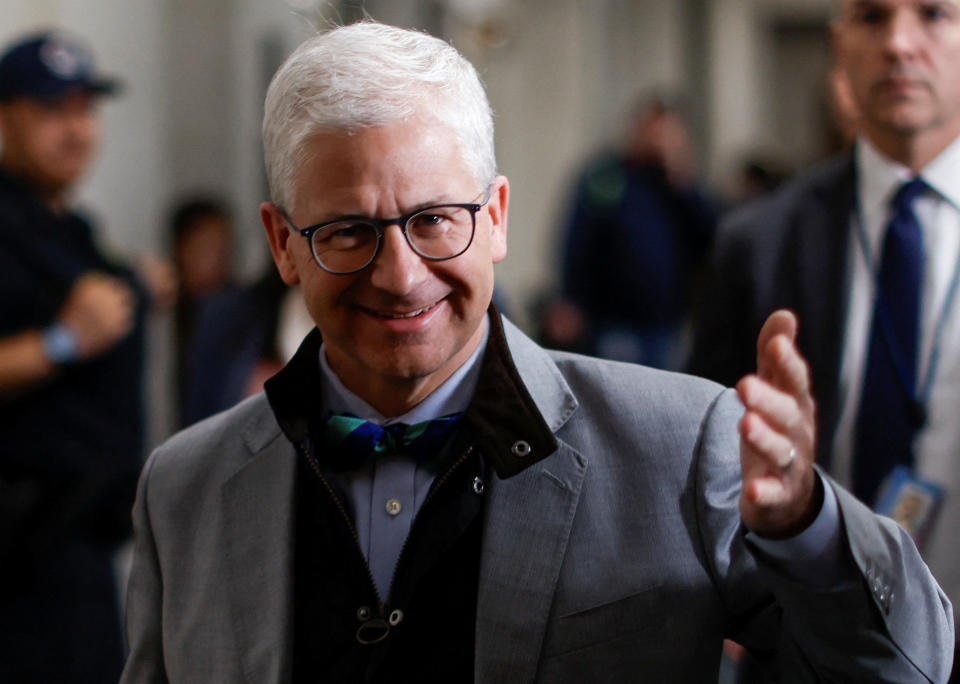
x=393 y=507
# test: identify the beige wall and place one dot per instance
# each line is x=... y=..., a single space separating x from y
x=560 y=74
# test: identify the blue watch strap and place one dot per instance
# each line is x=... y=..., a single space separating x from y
x=60 y=343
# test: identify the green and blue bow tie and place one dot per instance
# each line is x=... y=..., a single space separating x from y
x=352 y=442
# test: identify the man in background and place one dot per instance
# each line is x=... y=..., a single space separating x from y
x=638 y=234
x=866 y=249
x=201 y=233
x=70 y=378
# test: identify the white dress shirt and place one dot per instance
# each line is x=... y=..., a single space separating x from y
x=937 y=445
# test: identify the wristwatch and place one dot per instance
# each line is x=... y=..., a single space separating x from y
x=60 y=343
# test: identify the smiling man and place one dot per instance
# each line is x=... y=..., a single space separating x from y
x=395 y=332
x=423 y=494
x=866 y=249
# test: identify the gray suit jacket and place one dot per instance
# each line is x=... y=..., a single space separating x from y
x=618 y=558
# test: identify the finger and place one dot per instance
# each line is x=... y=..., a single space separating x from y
x=780 y=322
x=779 y=409
x=787 y=370
x=775 y=449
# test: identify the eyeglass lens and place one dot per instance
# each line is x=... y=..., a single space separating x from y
x=436 y=233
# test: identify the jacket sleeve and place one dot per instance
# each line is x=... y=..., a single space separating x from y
x=890 y=622
x=145 y=662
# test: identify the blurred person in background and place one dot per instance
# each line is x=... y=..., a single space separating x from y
x=866 y=249
x=639 y=229
x=201 y=231
x=757 y=176
x=71 y=416
x=242 y=336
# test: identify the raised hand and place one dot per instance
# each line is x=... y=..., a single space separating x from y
x=780 y=496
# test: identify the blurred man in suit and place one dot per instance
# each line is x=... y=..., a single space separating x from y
x=866 y=249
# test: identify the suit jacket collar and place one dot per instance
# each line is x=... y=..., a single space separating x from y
x=527 y=525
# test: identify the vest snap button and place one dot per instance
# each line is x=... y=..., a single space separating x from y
x=372 y=631
x=396 y=617
x=521 y=449
x=477 y=485
x=363 y=613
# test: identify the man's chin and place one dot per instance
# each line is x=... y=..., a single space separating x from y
x=63 y=177
x=908 y=117
x=401 y=365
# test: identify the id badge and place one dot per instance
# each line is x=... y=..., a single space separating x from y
x=912 y=502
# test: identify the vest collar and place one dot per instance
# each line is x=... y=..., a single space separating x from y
x=503 y=417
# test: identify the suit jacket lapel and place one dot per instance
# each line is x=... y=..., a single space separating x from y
x=258 y=529
x=528 y=520
x=822 y=242
x=527 y=525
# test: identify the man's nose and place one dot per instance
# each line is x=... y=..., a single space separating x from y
x=904 y=33
x=397 y=268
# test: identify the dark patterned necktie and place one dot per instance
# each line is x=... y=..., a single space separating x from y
x=889 y=414
x=351 y=442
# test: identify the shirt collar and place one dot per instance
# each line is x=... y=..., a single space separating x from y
x=943 y=173
x=878 y=180
x=452 y=396
x=880 y=177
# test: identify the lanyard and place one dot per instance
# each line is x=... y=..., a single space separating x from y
x=919 y=401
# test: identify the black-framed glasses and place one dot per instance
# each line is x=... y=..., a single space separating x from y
x=351 y=243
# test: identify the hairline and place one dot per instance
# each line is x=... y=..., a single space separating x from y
x=298 y=107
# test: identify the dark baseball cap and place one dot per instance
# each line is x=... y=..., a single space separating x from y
x=49 y=64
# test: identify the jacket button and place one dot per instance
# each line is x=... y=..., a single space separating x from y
x=363 y=613
x=395 y=618
x=521 y=449
x=393 y=507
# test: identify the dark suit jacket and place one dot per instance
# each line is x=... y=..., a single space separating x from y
x=786 y=250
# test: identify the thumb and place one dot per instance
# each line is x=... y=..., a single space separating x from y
x=780 y=322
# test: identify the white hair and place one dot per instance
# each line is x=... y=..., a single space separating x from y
x=370 y=74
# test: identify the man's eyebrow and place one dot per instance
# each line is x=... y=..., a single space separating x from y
x=866 y=4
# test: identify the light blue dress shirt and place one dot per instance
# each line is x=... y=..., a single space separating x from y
x=385 y=496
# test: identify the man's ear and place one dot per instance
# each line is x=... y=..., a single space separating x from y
x=278 y=233
x=496 y=209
